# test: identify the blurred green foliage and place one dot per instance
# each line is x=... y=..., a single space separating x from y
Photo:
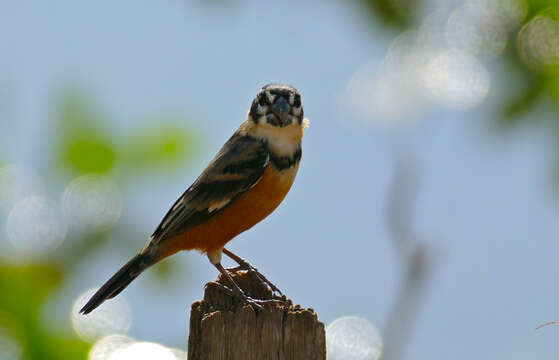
x=537 y=82
x=28 y=287
x=399 y=14
x=82 y=143
x=161 y=145
x=403 y=15
x=528 y=86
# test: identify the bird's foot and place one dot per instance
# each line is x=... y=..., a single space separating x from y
x=244 y=265
x=243 y=298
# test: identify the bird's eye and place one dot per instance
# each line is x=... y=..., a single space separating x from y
x=262 y=100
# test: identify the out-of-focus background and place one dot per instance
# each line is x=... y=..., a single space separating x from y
x=427 y=201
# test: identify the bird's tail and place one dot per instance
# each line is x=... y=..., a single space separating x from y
x=119 y=281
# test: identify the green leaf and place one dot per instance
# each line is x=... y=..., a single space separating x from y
x=24 y=288
x=165 y=269
x=88 y=155
x=63 y=348
x=157 y=146
x=523 y=103
x=537 y=6
x=553 y=84
x=84 y=146
x=399 y=14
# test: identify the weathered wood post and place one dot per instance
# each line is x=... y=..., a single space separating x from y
x=223 y=329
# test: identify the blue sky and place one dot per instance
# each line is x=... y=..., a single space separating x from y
x=486 y=205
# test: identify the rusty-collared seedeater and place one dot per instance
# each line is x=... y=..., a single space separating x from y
x=244 y=183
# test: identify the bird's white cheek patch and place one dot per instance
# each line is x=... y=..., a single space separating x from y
x=262 y=110
x=270 y=97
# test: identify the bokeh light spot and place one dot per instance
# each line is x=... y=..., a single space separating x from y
x=508 y=13
x=373 y=90
x=35 y=226
x=390 y=91
x=538 y=43
x=457 y=79
x=10 y=349
x=108 y=345
x=474 y=29
x=179 y=354
x=121 y=347
x=439 y=64
x=92 y=203
x=352 y=338
x=113 y=316
x=143 y=351
x=16 y=182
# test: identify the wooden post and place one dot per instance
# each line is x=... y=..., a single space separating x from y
x=223 y=329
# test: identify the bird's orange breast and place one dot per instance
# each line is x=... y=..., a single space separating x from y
x=246 y=211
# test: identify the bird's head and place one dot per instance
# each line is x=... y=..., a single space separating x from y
x=277 y=105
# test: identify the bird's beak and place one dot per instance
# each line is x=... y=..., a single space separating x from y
x=281 y=109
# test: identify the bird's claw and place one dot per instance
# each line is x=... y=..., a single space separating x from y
x=240 y=295
x=246 y=266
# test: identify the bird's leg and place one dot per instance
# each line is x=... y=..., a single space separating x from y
x=236 y=289
x=244 y=265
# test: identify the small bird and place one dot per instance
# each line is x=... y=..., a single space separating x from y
x=244 y=183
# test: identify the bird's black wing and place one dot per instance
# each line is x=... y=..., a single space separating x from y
x=237 y=167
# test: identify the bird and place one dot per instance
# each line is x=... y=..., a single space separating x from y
x=243 y=184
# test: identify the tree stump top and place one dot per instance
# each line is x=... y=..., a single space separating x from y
x=222 y=328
